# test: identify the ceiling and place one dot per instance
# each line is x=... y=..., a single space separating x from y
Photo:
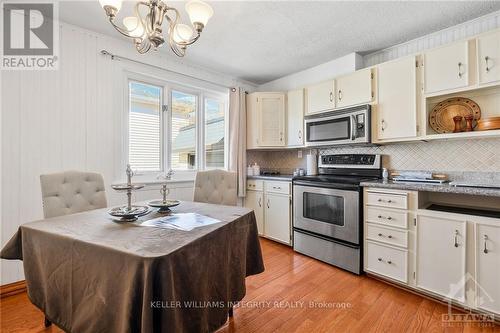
x=259 y=41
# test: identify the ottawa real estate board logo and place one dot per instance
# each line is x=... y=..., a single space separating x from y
x=30 y=35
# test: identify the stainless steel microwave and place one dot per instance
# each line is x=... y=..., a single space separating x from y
x=348 y=126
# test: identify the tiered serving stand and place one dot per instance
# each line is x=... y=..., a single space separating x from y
x=129 y=212
x=164 y=204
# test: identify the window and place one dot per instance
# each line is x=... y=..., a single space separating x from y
x=183 y=131
x=144 y=126
x=187 y=135
x=215 y=132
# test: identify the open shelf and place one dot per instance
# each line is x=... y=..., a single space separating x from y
x=488 y=100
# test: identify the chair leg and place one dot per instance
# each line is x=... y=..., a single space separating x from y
x=47 y=322
x=230 y=313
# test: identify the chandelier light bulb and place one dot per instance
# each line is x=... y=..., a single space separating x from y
x=111 y=6
x=182 y=33
x=134 y=26
x=199 y=12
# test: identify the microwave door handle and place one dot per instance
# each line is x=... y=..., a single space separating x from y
x=354 y=126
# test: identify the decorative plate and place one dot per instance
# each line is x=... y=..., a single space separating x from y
x=441 y=117
x=163 y=205
x=127 y=215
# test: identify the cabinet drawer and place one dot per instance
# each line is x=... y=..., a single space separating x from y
x=387 y=235
x=255 y=184
x=277 y=187
x=387 y=261
x=390 y=200
x=388 y=217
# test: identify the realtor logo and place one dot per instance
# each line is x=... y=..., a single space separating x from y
x=30 y=34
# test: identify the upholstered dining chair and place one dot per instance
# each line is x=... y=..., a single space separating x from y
x=216 y=186
x=72 y=192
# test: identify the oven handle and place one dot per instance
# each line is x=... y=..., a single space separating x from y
x=335 y=186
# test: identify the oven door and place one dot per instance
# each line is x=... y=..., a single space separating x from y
x=326 y=211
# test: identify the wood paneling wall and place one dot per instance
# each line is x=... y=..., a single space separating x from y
x=74 y=119
x=468 y=29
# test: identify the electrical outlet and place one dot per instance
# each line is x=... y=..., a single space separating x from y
x=299 y=153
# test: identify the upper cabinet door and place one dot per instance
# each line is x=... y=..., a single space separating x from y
x=354 y=88
x=252 y=122
x=295 y=119
x=488 y=267
x=320 y=97
x=396 y=110
x=271 y=108
x=446 y=67
x=488 y=47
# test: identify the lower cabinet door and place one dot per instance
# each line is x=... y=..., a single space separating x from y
x=277 y=217
x=488 y=267
x=440 y=256
x=255 y=200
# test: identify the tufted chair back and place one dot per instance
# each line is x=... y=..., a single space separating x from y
x=72 y=192
x=216 y=186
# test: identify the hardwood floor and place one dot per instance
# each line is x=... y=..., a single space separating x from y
x=298 y=294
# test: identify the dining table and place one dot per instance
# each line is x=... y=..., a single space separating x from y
x=90 y=273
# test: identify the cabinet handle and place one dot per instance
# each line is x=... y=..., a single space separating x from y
x=331 y=96
x=380 y=235
x=460 y=70
x=456 y=238
x=385 y=218
x=260 y=202
x=390 y=236
x=379 y=259
x=340 y=95
x=267 y=203
x=300 y=134
x=389 y=262
x=485 y=248
x=383 y=125
x=281 y=136
x=382 y=200
x=277 y=187
x=487 y=66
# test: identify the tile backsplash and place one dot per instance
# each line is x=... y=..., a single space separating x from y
x=475 y=155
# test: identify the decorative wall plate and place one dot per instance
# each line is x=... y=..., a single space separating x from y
x=441 y=117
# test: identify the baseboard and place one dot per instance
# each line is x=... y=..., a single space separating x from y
x=12 y=289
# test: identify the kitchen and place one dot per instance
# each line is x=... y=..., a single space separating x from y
x=346 y=181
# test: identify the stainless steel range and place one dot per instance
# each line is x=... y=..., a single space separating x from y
x=328 y=213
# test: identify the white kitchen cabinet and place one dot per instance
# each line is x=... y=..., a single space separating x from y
x=295 y=118
x=277 y=217
x=320 y=97
x=440 y=256
x=396 y=109
x=488 y=267
x=488 y=50
x=255 y=200
x=447 y=67
x=252 y=122
x=265 y=120
x=355 y=88
x=271 y=110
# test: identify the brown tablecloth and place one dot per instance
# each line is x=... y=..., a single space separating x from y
x=90 y=274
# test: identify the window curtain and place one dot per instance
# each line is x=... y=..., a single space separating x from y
x=238 y=137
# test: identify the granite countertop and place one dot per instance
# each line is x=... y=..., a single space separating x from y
x=445 y=188
x=273 y=177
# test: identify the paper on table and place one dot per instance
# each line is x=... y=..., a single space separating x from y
x=181 y=221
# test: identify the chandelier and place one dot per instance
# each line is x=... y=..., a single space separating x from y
x=145 y=27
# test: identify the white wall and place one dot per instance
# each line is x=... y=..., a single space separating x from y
x=73 y=118
x=323 y=72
